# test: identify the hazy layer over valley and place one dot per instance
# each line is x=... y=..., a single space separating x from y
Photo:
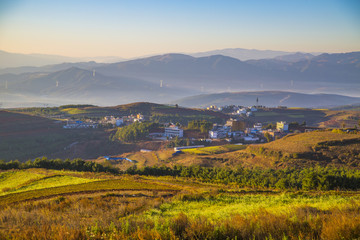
x=169 y=77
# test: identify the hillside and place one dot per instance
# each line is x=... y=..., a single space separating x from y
x=296 y=150
x=310 y=149
x=268 y=98
x=27 y=137
x=152 y=111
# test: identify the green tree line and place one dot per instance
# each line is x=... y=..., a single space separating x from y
x=319 y=178
x=58 y=164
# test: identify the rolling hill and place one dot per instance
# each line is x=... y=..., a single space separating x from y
x=242 y=54
x=50 y=68
x=310 y=149
x=267 y=98
x=303 y=150
x=80 y=85
x=28 y=133
x=15 y=60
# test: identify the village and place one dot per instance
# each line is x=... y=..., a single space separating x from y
x=239 y=128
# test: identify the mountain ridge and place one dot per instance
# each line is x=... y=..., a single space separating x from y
x=267 y=98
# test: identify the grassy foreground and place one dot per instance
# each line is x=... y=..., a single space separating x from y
x=105 y=206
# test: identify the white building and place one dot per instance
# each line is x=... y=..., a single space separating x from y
x=258 y=126
x=241 y=111
x=174 y=131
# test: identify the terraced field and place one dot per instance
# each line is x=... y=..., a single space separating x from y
x=32 y=184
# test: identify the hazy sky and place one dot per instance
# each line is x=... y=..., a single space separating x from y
x=85 y=28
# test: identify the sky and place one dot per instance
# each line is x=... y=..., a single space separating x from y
x=87 y=28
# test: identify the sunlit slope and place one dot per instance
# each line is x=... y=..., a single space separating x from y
x=34 y=184
x=313 y=148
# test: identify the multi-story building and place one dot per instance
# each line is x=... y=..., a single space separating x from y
x=174 y=131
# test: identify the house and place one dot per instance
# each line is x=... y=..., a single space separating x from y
x=282 y=126
x=249 y=114
x=174 y=131
x=212 y=107
x=140 y=117
x=219 y=132
x=251 y=138
x=119 y=122
x=235 y=125
x=258 y=126
x=241 y=111
x=274 y=134
x=253 y=109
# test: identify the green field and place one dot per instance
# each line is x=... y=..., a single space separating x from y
x=225 y=205
x=214 y=149
x=26 y=180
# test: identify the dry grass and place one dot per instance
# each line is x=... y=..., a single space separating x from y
x=304 y=142
x=109 y=217
x=109 y=213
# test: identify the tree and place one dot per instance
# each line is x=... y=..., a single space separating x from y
x=268 y=137
x=310 y=181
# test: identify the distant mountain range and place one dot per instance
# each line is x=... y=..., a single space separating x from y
x=330 y=73
x=14 y=60
x=267 y=98
x=247 y=54
x=82 y=86
x=168 y=77
x=11 y=60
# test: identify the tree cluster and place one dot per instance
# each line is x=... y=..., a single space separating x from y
x=58 y=164
x=202 y=125
x=134 y=132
